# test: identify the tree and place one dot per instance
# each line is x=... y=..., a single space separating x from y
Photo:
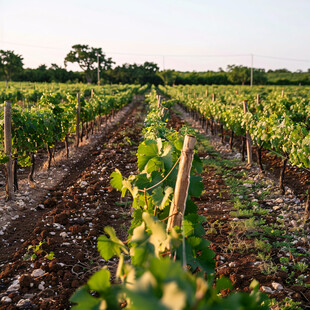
x=135 y=74
x=168 y=76
x=238 y=74
x=10 y=63
x=86 y=58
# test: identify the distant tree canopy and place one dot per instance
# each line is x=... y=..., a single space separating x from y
x=134 y=74
x=11 y=67
x=86 y=58
x=10 y=63
x=168 y=76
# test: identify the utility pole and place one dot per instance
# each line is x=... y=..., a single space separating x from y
x=98 y=70
x=252 y=56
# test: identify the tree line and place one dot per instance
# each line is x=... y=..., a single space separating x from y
x=91 y=59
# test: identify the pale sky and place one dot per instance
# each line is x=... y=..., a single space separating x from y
x=184 y=35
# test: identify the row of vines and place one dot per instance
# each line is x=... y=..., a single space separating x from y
x=161 y=268
x=51 y=117
x=276 y=121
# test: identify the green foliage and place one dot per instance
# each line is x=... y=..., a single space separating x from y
x=86 y=58
x=156 y=282
x=33 y=251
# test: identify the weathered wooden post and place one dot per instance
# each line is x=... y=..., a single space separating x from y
x=92 y=93
x=178 y=204
x=158 y=101
x=78 y=112
x=8 y=150
x=257 y=99
x=248 y=137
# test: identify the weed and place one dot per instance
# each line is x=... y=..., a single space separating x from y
x=302 y=267
x=34 y=250
x=261 y=245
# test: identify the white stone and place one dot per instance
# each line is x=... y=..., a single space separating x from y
x=63 y=234
x=41 y=286
x=24 y=303
x=6 y=299
x=275 y=208
x=37 y=273
x=248 y=185
x=267 y=289
x=15 y=286
x=232 y=264
x=277 y=286
x=83 y=184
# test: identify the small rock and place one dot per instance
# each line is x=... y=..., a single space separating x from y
x=275 y=208
x=63 y=234
x=41 y=286
x=248 y=185
x=83 y=184
x=6 y=299
x=37 y=273
x=25 y=304
x=267 y=289
x=277 y=286
x=232 y=264
x=15 y=286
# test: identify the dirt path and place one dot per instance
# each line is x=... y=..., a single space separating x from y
x=69 y=222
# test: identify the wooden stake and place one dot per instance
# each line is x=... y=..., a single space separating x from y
x=213 y=97
x=257 y=99
x=78 y=112
x=8 y=150
x=248 y=137
x=178 y=204
x=158 y=101
x=92 y=93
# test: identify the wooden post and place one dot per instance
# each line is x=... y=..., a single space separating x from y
x=177 y=208
x=8 y=150
x=213 y=97
x=282 y=94
x=78 y=112
x=257 y=99
x=248 y=137
x=92 y=93
x=158 y=101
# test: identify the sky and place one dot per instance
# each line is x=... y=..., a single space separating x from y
x=185 y=35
